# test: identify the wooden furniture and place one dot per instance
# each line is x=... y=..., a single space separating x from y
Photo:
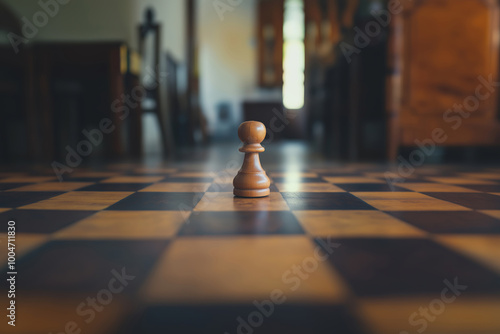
x=96 y=71
x=196 y=120
x=175 y=107
x=270 y=113
x=439 y=51
x=270 y=43
x=151 y=56
x=341 y=93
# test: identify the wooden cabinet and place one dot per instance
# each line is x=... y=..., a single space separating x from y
x=75 y=86
x=442 y=54
x=270 y=43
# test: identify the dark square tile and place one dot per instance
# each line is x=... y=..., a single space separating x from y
x=84 y=179
x=188 y=179
x=324 y=201
x=409 y=180
x=220 y=187
x=228 y=187
x=7 y=186
x=158 y=201
x=146 y=173
x=13 y=199
x=42 y=221
x=478 y=201
x=241 y=222
x=300 y=180
x=382 y=267
x=450 y=221
x=352 y=187
x=76 y=265
x=115 y=187
x=283 y=318
x=487 y=188
x=340 y=174
x=437 y=172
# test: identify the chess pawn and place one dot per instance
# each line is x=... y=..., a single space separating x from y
x=251 y=180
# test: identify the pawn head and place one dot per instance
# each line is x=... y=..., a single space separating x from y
x=252 y=132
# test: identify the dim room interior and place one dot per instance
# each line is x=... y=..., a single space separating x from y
x=250 y=166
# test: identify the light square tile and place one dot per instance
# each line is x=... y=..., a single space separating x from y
x=222 y=201
x=292 y=175
x=483 y=248
x=194 y=174
x=406 y=201
x=50 y=313
x=486 y=176
x=53 y=186
x=125 y=225
x=355 y=223
x=224 y=178
x=493 y=213
x=133 y=179
x=80 y=200
x=434 y=187
x=387 y=175
x=24 y=243
x=177 y=187
x=334 y=169
x=352 y=179
x=27 y=179
x=459 y=180
x=463 y=316
x=202 y=270
x=308 y=187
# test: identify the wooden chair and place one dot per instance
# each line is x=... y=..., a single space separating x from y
x=154 y=102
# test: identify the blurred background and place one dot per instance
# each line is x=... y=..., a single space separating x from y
x=353 y=80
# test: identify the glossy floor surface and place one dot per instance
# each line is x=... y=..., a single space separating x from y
x=130 y=248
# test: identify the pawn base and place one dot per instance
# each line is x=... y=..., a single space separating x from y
x=251 y=192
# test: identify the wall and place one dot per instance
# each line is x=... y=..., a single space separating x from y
x=172 y=16
x=93 y=20
x=97 y=20
x=227 y=51
x=227 y=58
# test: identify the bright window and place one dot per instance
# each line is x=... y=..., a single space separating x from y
x=293 y=54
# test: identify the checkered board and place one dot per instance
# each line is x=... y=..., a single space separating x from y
x=331 y=250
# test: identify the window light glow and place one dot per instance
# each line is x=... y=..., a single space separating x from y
x=293 y=54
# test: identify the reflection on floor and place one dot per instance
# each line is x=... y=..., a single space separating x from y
x=292 y=155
